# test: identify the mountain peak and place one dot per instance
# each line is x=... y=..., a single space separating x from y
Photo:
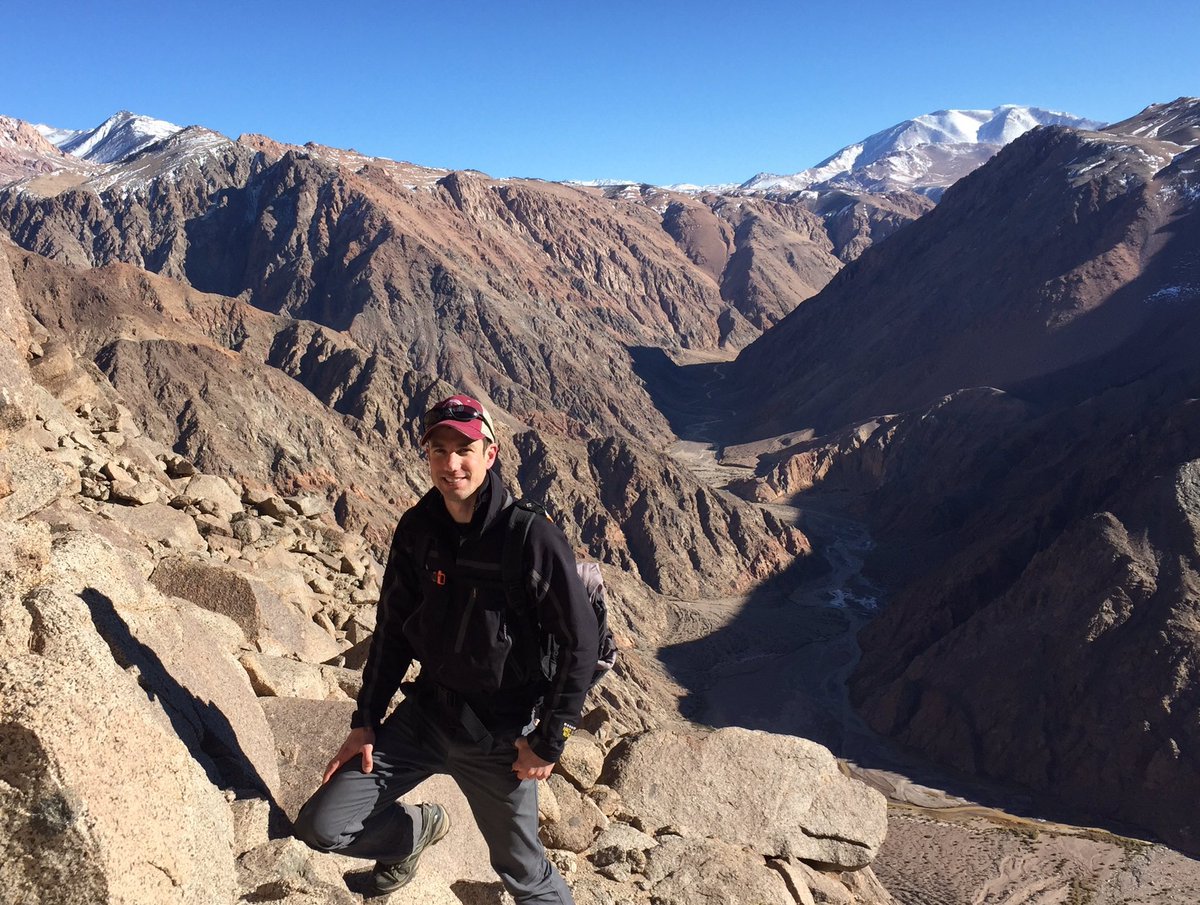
x=120 y=136
x=924 y=154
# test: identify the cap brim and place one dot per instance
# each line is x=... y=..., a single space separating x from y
x=473 y=430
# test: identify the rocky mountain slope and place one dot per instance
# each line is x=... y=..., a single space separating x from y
x=25 y=153
x=1011 y=406
x=146 y=604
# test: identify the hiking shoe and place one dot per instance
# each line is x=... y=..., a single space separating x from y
x=435 y=823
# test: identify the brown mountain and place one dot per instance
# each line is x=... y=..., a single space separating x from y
x=1015 y=275
x=24 y=153
x=275 y=402
x=1018 y=371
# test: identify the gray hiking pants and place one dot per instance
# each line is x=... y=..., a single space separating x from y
x=359 y=814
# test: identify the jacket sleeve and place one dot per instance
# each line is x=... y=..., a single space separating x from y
x=390 y=654
x=564 y=611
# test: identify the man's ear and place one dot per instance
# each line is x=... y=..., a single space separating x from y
x=490 y=455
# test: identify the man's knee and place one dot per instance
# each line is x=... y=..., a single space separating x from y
x=315 y=829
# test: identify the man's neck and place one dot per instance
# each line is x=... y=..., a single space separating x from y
x=462 y=511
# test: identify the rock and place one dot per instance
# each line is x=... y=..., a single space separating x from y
x=579 y=822
x=227 y=633
x=607 y=800
x=178 y=467
x=818 y=887
x=360 y=626
x=281 y=677
x=248 y=530
x=307 y=504
x=582 y=760
x=684 y=871
x=621 y=844
x=548 y=809
x=140 y=493
x=285 y=870
x=209 y=525
x=37 y=480
x=157 y=523
x=276 y=508
x=778 y=795
x=320 y=584
x=251 y=823
x=267 y=621
x=356 y=656
x=66 y=833
x=203 y=693
x=216 y=492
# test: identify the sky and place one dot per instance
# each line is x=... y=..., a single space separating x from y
x=662 y=92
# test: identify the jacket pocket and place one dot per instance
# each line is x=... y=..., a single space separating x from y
x=476 y=654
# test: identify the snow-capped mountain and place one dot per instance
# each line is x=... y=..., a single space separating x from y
x=925 y=154
x=121 y=135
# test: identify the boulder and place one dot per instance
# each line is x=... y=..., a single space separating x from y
x=270 y=623
x=621 y=844
x=36 y=480
x=201 y=692
x=582 y=760
x=282 y=677
x=579 y=820
x=680 y=871
x=99 y=800
x=136 y=493
x=157 y=523
x=778 y=795
x=224 y=500
x=307 y=505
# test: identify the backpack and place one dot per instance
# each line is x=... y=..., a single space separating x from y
x=520 y=519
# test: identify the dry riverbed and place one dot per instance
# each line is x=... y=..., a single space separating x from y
x=778 y=659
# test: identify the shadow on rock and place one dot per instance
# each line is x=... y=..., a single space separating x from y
x=204 y=730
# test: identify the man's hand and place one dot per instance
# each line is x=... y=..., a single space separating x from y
x=528 y=765
x=359 y=741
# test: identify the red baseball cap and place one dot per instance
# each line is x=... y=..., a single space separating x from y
x=463 y=414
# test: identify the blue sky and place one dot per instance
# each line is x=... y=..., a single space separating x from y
x=656 y=91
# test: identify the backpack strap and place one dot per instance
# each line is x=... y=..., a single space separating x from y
x=512 y=571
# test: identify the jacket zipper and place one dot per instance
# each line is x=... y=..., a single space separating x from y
x=462 y=628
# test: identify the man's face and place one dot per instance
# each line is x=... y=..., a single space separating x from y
x=458 y=466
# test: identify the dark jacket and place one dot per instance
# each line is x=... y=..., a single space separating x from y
x=442 y=603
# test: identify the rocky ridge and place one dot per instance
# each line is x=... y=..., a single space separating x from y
x=148 y=604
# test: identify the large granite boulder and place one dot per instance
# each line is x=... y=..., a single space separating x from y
x=778 y=795
x=99 y=799
x=200 y=690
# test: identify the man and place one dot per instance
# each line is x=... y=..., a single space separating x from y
x=481 y=708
